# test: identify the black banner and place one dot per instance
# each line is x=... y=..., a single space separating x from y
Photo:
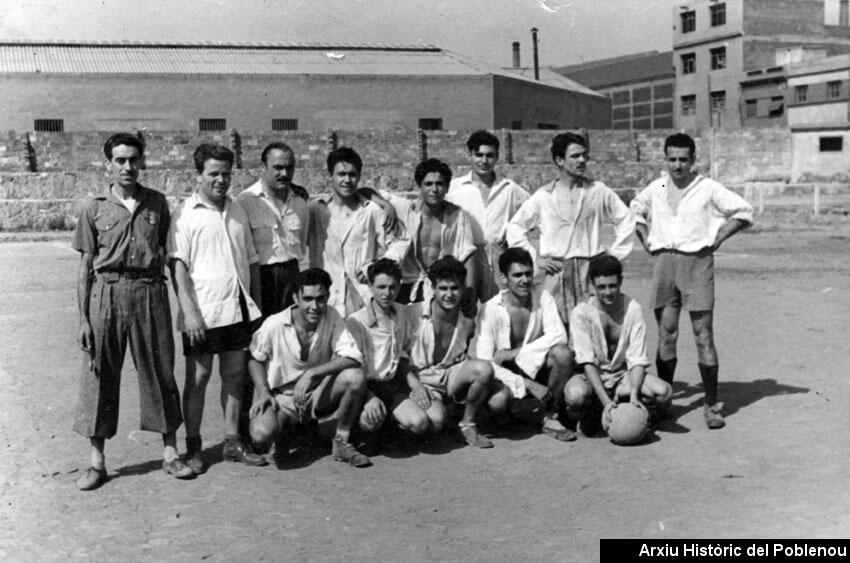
x=721 y=551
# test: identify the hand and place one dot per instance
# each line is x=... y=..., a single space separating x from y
x=390 y=218
x=361 y=275
x=606 y=414
x=302 y=387
x=420 y=396
x=374 y=412
x=261 y=404
x=469 y=302
x=549 y=265
x=503 y=356
x=194 y=328
x=86 y=337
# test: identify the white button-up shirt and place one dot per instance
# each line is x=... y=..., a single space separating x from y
x=704 y=206
x=217 y=249
x=424 y=343
x=489 y=218
x=276 y=345
x=382 y=349
x=578 y=233
x=279 y=229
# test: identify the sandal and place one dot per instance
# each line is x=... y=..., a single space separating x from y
x=554 y=429
x=470 y=434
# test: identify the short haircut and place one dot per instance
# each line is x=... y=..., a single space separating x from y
x=312 y=276
x=680 y=141
x=384 y=266
x=347 y=155
x=432 y=165
x=123 y=139
x=480 y=138
x=209 y=151
x=563 y=140
x=447 y=268
x=514 y=255
x=604 y=265
x=275 y=147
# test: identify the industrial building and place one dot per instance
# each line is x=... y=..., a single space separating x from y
x=90 y=86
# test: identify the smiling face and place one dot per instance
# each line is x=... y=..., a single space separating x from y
x=607 y=289
x=483 y=160
x=344 y=180
x=574 y=162
x=680 y=162
x=312 y=303
x=214 y=180
x=519 y=280
x=124 y=166
x=278 y=171
x=447 y=293
x=385 y=290
x=433 y=188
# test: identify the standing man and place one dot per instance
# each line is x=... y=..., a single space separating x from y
x=688 y=216
x=491 y=202
x=279 y=220
x=570 y=212
x=122 y=296
x=214 y=267
x=346 y=233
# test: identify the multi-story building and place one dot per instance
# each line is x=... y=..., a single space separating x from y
x=640 y=86
x=819 y=118
x=716 y=43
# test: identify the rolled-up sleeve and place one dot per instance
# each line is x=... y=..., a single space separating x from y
x=526 y=218
x=179 y=243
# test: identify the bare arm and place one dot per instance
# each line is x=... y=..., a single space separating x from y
x=636 y=376
x=642 y=233
x=193 y=323
x=418 y=393
x=728 y=229
x=591 y=371
x=257 y=372
x=311 y=377
x=390 y=215
x=85 y=278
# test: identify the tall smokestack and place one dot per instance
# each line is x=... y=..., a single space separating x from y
x=534 y=46
x=515 y=47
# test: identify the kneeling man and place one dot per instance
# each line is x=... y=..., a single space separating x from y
x=608 y=335
x=305 y=365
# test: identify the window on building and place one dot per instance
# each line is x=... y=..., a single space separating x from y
x=831 y=144
x=833 y=89
x=661 y=108
x=777 y=106
x=664 y=122
x=621 y=113
x=642 y=94
x=689 y=63
x=621 y=98
x=718 y=15
x=212 y=124
x=718 y=58
x=641 y=110
x=662 y=91
x=689 y=21
x=516 y=125
x=431 y=123
x=284 y=125
x=751 y=108
x=49 y=125
x=642 y=124
x=689 y=105
x=801 y=93
x=622 y=125
x=718 y=100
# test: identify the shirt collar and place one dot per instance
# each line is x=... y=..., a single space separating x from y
x=196 y=201
x=535 y=297
x=372 y=317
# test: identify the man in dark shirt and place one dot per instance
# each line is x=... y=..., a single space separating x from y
x=122 y=296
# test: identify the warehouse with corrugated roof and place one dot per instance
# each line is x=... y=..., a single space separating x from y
x=89 y=86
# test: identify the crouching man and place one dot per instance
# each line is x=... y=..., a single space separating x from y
x=305 y=366
x=608 y=335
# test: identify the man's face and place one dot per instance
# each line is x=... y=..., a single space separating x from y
x=214 y=180
x=607 y=290
x=312 y=301
x=574 y=162
x=124 y=166
x=679 y=163
x=344 y=179
x=483 y=160
x=278 y=171
x=447 y=294
x=433 y=188
x=384 y=290
x=519 y=280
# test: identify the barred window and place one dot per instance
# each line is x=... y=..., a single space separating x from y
x=284 y=125
x=718 y=15
x=431 y=123
x=49 y=125
x=718 y=58
x=689 y=21
x=689 y=105
x=689 y=63
x=212 y=124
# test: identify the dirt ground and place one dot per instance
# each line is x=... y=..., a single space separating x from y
x=774 y=471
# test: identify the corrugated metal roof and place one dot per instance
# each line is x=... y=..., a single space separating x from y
x=69 y=57
x=621 y=70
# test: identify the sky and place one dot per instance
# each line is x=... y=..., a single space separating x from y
x=571 y=31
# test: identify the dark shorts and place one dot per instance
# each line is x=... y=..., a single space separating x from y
x=276 y=283
x=225 y=338
x=390 y=391
x=683 y=280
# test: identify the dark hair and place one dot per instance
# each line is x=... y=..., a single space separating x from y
x=681 y=141
x=275 y=147
x=344 y=154
x=480 y=138
x=563 y=140
x=208 y=151
x=432 y=165
x=514 y=255
x=384 y=266
x=447 y=268
x=311 y=276
x=123 y=139
x=604 y=265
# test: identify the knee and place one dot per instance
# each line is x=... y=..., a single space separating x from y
x=560 y=355
x=417 y=422
x=481 y=371
x=663 y=393
x=703 y=337
x=500 y=402
x=352 y=379
x=264 y=430
x=576 y=392
x=437 y=419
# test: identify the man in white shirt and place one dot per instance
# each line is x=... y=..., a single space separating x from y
x=521 y=333
x=608 y=337
x=491 y=202
x=214 y=272
x=683 y=218
x=570 y=212
x=305 y=366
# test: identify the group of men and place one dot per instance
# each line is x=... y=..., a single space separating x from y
x=364 y=308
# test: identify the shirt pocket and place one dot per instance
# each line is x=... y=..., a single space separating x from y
x=149 y=224
x=105 y=222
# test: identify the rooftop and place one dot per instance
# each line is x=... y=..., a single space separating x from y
x=651 y=65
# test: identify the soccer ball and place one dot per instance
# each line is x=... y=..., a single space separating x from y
x=628 y=425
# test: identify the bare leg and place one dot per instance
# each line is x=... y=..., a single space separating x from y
x=231 y=368
x=198 y=370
